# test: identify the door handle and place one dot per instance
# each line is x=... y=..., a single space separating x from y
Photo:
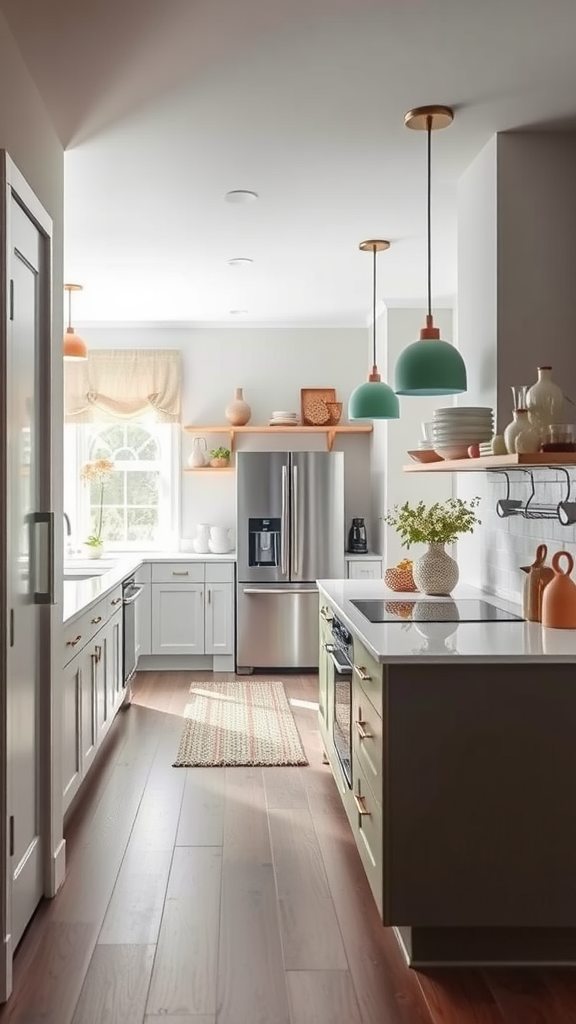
x=362 y=673
x=117 y=600
x=96 y=620
x=360 y=805
x=362 y=732
x=76 y=640
x=284 y=523
x=37 y=519
x=176 y=573
x=295 y=538
x=277 y=590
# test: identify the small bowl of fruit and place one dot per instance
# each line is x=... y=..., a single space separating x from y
x=399 y=577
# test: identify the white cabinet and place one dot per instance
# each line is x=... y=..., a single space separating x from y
x=364 y=568
x=71 y=704
x=143 y=616
x=219 y=619
x=178 y=618
x=114 y=681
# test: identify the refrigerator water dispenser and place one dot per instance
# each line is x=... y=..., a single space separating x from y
x=264 y=542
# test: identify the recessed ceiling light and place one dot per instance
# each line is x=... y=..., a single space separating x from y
x=238 y=312
x=240 y=261
x=241 y=195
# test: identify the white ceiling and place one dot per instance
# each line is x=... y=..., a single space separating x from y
x=164 y=105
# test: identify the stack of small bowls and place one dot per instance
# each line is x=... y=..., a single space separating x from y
x=455 y=428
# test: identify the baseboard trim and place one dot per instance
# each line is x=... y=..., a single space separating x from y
x=183 y=662
x=58 y=873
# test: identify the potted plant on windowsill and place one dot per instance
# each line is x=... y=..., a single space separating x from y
x=96 y=473
x=435 y=572
x=220 y=458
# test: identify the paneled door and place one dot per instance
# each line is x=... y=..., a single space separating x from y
x=24 y=663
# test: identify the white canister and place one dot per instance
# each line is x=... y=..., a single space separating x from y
x=545 y=400
x=202 y=539
x=220 y=538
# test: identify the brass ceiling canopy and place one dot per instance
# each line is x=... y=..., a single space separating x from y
x=434 y=118
x=374 y=245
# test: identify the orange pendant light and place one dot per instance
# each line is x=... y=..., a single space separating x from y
x=74 y=346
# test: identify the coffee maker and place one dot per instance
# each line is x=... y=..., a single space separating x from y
x=357 y=539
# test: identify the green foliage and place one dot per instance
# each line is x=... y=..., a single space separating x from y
x=93 y=541
x=220 y=453
x=440 y=523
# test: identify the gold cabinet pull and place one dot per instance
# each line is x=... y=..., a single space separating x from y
x=72 y=643
x=362 y=732
x=96 y=620
x=175 y=573
x=116 y=600
x=362 y=673
x=97 y=654
x=326 y=614
x=360 y=805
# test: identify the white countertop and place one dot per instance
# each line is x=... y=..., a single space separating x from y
x=405 y=640
x=80 y=594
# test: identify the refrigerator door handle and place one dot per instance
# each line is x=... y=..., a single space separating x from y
x=41 y=525
x=278 y=590
x=284 y=523
x=295 y=539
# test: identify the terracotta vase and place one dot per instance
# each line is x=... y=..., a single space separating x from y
x=545 y=400
x=538 y=576
x=435 y=572
x=559 y=598
x=238 y=413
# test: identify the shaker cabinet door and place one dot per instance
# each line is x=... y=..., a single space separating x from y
x=177 y=618
x=219 y=627
x=71 y=726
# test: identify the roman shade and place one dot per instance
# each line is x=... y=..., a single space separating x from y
x=123 y=384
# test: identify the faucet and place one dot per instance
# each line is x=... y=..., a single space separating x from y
x=68 y=526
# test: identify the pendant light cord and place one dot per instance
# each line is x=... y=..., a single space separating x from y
x=374 y=251
x=429 y=210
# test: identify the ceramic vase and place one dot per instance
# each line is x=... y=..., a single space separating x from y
x=94 y=550
x=435 y=572
x=202 y=538
x=545 y=400
x=538 y=577
x=238 y=412
x=559 y=597
x=198 y=457
x=518 y=426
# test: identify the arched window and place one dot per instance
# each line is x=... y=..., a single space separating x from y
x=138 y=496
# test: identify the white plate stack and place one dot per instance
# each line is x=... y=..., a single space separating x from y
x=284 y=419
x=457 y=427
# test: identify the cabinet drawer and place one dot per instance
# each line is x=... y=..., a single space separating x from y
x=367 y=826
x=178 y=572
x=367 y=740
x=364 y=569
x=369 y=674
x=81 y=631
x=219 y=572
x=143 y=574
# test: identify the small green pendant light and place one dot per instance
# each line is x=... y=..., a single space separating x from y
x=430 y=366
x=373 y=400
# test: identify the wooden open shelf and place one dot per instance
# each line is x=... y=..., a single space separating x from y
x=208 y=469
x=535 y=460
x=329 y=432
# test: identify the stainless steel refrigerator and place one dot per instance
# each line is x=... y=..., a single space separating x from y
x=290 y=532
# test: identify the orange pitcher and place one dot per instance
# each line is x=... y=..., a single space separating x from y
x=559 y=597
x=539 y=575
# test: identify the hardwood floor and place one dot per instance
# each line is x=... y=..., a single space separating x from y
x=232 y=896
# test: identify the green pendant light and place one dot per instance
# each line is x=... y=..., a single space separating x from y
x=373 y=400
x=430 y=366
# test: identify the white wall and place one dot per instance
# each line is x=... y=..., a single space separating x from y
x=271 y=365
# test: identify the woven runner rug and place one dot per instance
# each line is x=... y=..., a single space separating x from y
x=239 y=723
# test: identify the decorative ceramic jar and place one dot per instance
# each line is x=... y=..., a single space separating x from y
x=545 y=400
x=538 y=577
x=559 y=597
x=238 y=413
x=198 y=454
x=94 y=550
x=202 y=538
x=435 y=572
x=219 y=542
x=521 y=435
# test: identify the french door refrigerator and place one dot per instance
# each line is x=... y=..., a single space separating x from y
x=290 y=532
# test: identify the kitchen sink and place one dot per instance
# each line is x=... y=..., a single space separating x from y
x=78 y=573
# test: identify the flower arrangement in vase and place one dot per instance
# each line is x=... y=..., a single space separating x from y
x=435 y=572
x=97 y=472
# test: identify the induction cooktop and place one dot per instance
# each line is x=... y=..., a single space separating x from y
x=407 y=609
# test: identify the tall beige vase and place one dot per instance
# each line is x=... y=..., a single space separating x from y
x=238 y=412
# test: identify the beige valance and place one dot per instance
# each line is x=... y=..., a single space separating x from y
x=123 y=384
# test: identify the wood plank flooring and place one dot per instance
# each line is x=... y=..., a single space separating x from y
x=232 y=896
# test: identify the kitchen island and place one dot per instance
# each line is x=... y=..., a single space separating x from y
x=459 y=742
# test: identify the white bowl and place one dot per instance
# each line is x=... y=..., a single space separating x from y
x=455 y=451
x=464 y=410
x=462 y=436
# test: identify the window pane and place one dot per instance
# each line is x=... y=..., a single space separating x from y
x=112 y=523
x=113 y=489
x=142 y=524
x=140 y=439
x=125 y=455
x=149 y=451
x=142 y=488
x=106 y=441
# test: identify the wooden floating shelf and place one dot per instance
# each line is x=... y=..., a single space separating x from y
x=208 y=469
x=329 y=432
x=534 y=461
